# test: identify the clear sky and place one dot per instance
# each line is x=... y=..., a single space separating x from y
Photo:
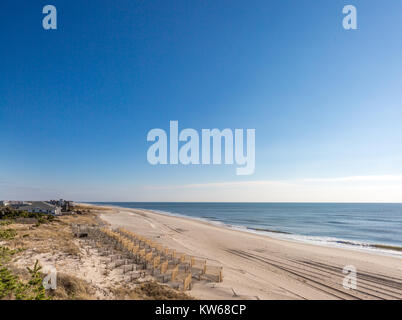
x=76 y=103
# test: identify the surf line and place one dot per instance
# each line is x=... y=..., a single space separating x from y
x=189 y=152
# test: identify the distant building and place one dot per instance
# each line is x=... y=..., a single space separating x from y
x=41 y=207
x=64 y=204
x=13 y=203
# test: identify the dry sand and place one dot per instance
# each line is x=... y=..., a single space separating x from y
x=88 y=266
x=259 y=267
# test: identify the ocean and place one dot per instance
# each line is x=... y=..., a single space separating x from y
x=366 y=226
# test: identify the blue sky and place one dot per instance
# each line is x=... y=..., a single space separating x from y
x=76 y=103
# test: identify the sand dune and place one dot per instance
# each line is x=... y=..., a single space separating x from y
x=260 y=267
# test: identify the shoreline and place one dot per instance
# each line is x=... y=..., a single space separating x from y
x=257 y=266
x=383 y=249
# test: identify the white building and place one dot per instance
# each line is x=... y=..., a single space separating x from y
x=12 y=203
x=42 y=207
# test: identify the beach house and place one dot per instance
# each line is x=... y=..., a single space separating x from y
x=41 y=207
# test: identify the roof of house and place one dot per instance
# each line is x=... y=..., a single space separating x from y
x=39 y=205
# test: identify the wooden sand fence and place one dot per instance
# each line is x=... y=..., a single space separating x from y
x=166 y=264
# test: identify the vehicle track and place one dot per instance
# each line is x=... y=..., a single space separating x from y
x=328 y=279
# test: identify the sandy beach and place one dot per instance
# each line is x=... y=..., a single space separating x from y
x=259 y=267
